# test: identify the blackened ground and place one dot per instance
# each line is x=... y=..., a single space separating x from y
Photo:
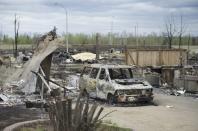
x=11 y=115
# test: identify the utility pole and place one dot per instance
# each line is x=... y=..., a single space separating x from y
x=66 y=19
x=188 y=52
x=181 y=32
x=15 y=38
x=66 y=26
x=16 y=33
x=1 y=34
x=97 y=46
x=135 y=36
x=1 y=31
x=111 y=34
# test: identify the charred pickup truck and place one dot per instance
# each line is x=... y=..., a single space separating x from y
x=114 y=83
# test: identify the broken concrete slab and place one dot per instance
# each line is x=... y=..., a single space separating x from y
x=42 y=52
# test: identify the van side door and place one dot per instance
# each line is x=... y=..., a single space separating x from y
x=92 y=81
x=103 y=84
x=83 y=78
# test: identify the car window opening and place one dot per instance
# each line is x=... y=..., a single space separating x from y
x=94 y=73
x=102 y=74
x=86 y=71
x=120 y=73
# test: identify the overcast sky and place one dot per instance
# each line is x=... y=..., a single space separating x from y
x=90 y=16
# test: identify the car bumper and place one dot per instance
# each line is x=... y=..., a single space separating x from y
x=131 y=99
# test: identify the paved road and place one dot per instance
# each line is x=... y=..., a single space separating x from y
x=173 y=113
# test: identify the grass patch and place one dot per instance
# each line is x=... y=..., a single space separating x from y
x=37 y=128
x=107 y=126
x=113 y=127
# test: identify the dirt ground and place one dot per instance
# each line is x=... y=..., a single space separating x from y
x=176 y=113
x=11 y=115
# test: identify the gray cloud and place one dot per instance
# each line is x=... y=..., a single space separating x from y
x=95 y=16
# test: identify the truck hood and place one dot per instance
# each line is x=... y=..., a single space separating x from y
x=131 y=84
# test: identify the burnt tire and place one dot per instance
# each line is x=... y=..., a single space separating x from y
x=111 y=99
x=29 y=105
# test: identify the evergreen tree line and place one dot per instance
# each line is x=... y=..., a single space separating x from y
x=116 y=38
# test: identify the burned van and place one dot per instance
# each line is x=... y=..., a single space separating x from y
x=114 y=83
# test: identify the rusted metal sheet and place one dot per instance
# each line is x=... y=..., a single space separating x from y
x=156 y=57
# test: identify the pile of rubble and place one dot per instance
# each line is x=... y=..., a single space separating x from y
x=25 y=80
x=10 y=100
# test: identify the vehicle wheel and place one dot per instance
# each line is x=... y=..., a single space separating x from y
x=150 y=101
x=111 y=99
x=29 y=105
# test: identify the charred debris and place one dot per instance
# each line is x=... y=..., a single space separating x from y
x=48 y=72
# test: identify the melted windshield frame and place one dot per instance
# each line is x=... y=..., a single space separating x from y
x=120 y=73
